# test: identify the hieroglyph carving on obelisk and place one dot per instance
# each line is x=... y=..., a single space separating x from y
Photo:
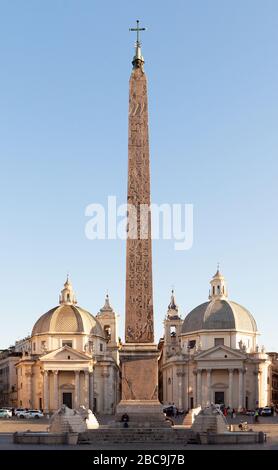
x=139 y=290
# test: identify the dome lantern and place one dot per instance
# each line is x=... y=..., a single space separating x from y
x=67 y=296
x=218 y=289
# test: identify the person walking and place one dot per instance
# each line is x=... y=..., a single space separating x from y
x=256 y=416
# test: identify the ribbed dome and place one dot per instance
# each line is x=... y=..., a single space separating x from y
x=219 y=315
x=67 y=319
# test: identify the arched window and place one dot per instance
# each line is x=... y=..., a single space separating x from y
x=169 y=381
x=107 y=331
x=173 y=331
x=213 y=290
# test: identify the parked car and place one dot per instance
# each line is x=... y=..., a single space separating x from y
x=250 y=412
x=36 y=414
x=4 y=413
x=21 y=413
x=266 y=411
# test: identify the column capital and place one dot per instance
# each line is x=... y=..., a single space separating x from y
x=208 y=369
x=231 y=370
x=180 y=373
x=45 y=373
x=55 y=372
x=77 y=372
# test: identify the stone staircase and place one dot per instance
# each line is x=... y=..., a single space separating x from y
x=177 y=435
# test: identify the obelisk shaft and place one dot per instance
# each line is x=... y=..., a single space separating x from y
x=139 y=297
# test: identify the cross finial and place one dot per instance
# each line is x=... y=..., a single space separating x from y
x=137 y=29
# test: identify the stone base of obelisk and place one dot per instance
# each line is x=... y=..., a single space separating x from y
x=139 y=362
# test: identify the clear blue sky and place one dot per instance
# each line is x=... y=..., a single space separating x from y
x=212 y=68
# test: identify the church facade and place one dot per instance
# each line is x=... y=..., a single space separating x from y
x=212 y=355
x=70 y=358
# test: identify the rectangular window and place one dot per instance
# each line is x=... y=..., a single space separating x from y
x=101 y=347
x=67 y=343
x=34 y=346
x=191 y=344
x=218 y=341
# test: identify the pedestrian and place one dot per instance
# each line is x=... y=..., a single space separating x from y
x=256 y=416
x=125 y=420
x=233 y=413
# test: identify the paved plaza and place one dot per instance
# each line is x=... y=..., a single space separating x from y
x=269 y=425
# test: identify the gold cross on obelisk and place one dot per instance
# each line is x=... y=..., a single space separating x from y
x=137 y=29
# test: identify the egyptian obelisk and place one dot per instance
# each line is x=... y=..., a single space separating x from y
x=139 y=355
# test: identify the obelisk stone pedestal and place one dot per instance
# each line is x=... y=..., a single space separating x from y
x=140 y=385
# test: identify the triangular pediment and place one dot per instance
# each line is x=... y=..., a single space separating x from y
x=62 y=354
x=220 y=352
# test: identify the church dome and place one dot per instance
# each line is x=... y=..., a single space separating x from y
x=67 y=317
x=219 y=313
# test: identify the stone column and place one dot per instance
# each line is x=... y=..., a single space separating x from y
x=77 y=389
x=199 y=387
x=256 y=387
x=55 y=389
x=240 y=388
x=164 y=393
x=91 y=391
x=244 y=387
x=209 y=386
x=105 y=374
x=28 y=376
x=180 y=376
x=194 y=389
x=231 y=376
x=112 y=385
x=45 y=392
x=86 y=388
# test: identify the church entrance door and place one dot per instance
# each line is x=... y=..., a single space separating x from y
x=67 y=399
x=219 y=398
